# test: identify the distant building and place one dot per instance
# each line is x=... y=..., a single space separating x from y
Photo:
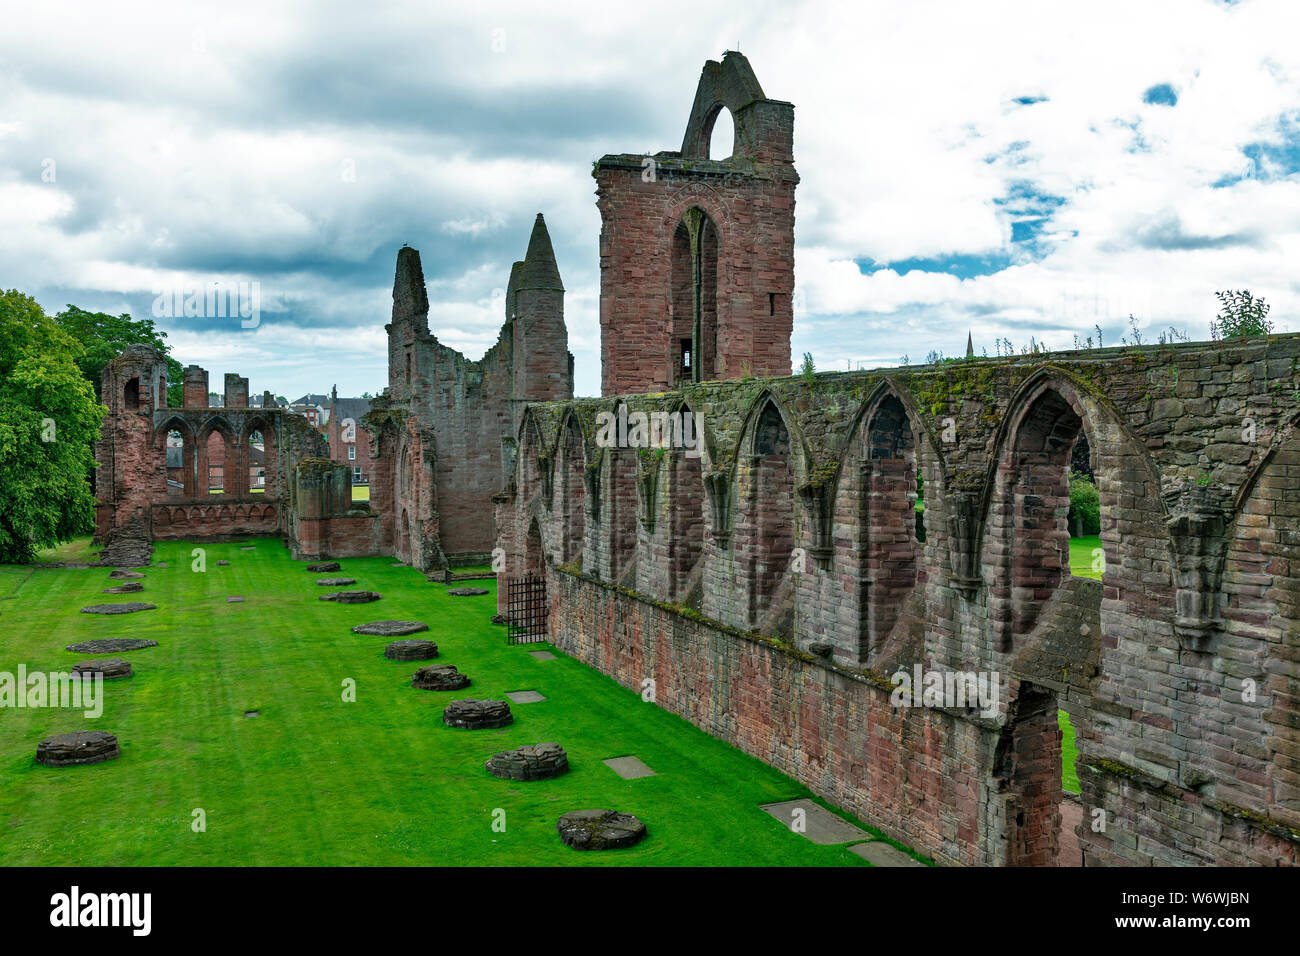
x=314 y=407
x=349 y=444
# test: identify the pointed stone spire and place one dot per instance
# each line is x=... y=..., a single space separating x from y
x=540 y=270
x=410 y=301
x=970 y=346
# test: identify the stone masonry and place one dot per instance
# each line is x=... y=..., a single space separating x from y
x=443 y=432
x=803 y=585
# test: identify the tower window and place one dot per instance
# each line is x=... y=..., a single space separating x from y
x=771 y=303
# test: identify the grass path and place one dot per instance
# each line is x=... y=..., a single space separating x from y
x=317 y=781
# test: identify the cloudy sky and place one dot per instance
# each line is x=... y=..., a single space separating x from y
x=1026 y=169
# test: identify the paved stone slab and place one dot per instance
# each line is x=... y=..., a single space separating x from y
x=880 y=853
x=820 y=825
x=525 y=696
x=251 y=547
x=629 y=767
x=599 y=829
x=128 y=608
x=223 y=564
x=162 y=564
x=234 y=600
x=543 y=655
x=123 y=574
x=111 y=645
x=335 y=582
x=324 y=567
x=467 y=592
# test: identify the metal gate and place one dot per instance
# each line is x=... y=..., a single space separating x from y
x=526 y=609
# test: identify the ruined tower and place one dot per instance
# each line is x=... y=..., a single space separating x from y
x=697 y=255
x=443 y=433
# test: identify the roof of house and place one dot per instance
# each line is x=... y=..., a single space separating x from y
x=353 y=408
x=322 y=400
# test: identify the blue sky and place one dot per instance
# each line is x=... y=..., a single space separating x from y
x=964 y=167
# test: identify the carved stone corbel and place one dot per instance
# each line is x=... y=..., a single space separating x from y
x=718 y=486
x=1197 y=528
x=547 y=474
x=963 y=542
x=591 y=482
x=818 y=498
x=647 y=486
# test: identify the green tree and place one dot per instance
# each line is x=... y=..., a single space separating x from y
x=1085 y=506
x=49 y=419
x=103 y=337
x=1240 y=314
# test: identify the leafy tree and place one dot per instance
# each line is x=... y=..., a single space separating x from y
x=1241 y=314
x=1085 y=506
x=49 y=419
x=104 y=336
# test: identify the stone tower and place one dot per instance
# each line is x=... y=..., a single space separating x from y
x=443 y=434
x=697 y=255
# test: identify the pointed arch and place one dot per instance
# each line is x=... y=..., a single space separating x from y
x=766 y=469
x=570 y=488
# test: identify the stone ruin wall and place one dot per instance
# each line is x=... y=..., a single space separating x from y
x=770 y=588
x=442 y=434
x=135 y=504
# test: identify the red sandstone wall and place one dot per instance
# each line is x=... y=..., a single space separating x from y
x=917 y=773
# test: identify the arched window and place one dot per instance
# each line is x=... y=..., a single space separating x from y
x=694 y=278
x=892 y=548
x=765 y=530
x=721 y=134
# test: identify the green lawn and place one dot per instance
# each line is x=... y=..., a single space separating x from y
x=76 y=551
x=1085 y=552
x=1069 y=754
x=317 y=781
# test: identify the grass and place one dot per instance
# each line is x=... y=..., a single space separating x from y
x=314 y=780
x=1069 y=754
x=77 y=551
x=1083 y=551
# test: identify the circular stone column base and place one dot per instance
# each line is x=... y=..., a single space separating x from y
x=599 y=829
x=335 y=582
x=111 y=645
x=414 y=650
x=477 y=714
x=439 y=677
x=130 y=587
x=123 y=574
x=390 y=628
x=129 y=608
x=112 y=669
x=540 y=762
x=352 y=597
x=324 y=567
x=67 y=750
